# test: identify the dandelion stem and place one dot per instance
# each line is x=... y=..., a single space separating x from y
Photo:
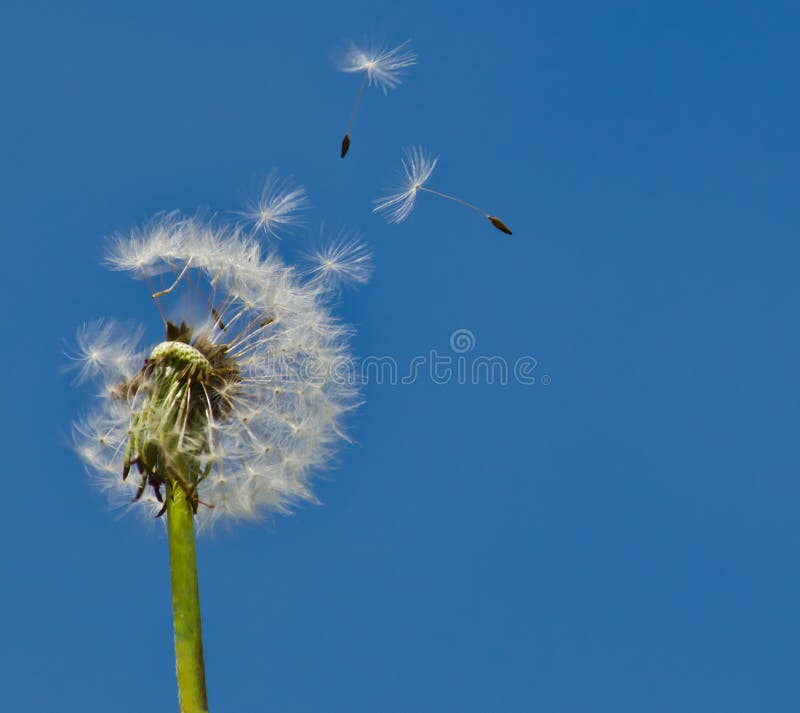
x=185 y=603
x=453 y=198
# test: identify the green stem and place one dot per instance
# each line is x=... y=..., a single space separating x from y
x=186 y=604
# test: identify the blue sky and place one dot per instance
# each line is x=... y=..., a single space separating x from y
x=621 y=539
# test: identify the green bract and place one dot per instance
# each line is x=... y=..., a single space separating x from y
x=170 y=436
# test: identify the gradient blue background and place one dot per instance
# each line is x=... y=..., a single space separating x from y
x=624 y=539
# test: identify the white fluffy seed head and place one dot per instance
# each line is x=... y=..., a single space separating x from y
x=418 y=165
x=283 y=411
x=384 y=67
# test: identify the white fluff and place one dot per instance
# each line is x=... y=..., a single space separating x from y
x=418 y=166
x=384 y=67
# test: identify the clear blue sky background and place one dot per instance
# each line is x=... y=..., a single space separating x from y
x=624 y=539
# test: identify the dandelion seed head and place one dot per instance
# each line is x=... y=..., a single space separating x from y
x=384 y=67
x=239 y=403
x=418 y=166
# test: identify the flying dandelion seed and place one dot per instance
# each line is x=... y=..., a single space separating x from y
x=280 y=207
x=418 y=167
x=345 y=260
x=381 y=68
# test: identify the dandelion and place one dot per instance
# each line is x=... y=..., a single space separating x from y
x=345 y=260
x=381 y=68
x=417 y=169
x=279 y=207
x=228 y=416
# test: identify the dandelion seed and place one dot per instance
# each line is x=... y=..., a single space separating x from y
x=381 y=68
x=103 y=346
x=213 y=410
x=279 y=208
x=417 y=169
x=345 y=260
